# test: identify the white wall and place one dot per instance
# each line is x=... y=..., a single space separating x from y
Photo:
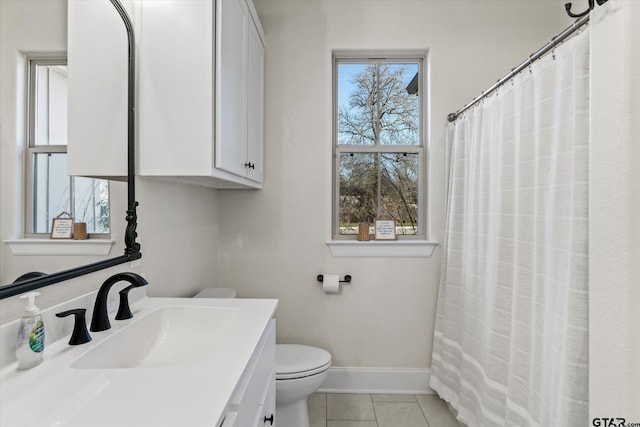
x=273 y=242
x=178 y=226
x=614 y=213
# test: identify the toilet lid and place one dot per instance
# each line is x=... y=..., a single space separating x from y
x=296 y=361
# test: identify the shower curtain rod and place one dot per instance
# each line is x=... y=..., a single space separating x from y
x=534 y=56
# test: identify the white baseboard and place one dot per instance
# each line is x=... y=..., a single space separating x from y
x=377 y=380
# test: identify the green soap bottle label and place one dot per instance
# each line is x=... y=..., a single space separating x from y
x=36 y=337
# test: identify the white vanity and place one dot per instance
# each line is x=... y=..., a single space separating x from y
x=179 y=362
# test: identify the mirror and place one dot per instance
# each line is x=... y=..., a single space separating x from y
x=29 y=282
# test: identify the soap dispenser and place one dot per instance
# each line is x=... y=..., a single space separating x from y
x=30 y=348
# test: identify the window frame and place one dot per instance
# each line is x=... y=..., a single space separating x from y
x=31 y=148
x=392 y=57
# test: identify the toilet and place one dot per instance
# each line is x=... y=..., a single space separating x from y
x=300 y=371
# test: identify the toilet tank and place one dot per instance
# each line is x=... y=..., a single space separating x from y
x=216 y=293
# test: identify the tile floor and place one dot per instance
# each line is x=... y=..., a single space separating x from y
x=379 y=410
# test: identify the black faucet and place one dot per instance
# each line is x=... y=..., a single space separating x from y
x=100 y=318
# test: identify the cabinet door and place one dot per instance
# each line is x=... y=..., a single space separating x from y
x=255 y=88
x=97 y=90
x=175 y=103
x=268 y=416
x=231 y=85
x=266 y=412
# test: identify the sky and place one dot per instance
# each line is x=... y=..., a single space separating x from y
x=346 y=72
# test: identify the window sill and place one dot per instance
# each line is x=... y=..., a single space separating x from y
x=396 y=248
x=48 y=247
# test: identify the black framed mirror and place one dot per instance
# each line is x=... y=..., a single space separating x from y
x=29 y=282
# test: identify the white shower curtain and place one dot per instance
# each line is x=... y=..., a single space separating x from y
x=511 y=338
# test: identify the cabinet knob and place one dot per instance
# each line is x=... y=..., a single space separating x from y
x=270 y=419
x=250 y=165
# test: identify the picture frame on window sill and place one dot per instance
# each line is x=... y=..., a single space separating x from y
x=385 y=229
x=61 y=227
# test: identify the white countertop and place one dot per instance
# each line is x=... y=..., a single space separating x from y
x=190 y=395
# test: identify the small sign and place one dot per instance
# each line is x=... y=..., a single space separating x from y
x=385 y=229
x=61 y=227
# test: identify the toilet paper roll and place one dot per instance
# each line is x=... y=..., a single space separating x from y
x=331 y=283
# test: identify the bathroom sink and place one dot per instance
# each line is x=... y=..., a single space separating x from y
x=168 y=336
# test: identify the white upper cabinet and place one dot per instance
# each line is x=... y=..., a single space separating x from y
x=97 y=90
x=201 y=92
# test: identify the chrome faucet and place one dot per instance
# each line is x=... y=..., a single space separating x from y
x=100 y=318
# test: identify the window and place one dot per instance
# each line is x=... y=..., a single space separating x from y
x=50 y=191
x=379 y=154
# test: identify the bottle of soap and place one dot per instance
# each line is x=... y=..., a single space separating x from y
x=30 y=348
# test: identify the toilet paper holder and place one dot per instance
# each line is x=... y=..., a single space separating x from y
x=347 y=278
